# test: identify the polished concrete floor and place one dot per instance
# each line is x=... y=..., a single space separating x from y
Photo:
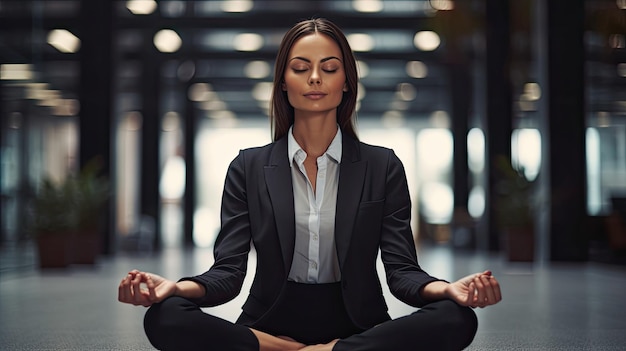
x=558 y=306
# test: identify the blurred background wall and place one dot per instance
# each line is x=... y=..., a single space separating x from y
x=488 y=103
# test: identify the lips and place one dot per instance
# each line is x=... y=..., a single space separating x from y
x=315 y=95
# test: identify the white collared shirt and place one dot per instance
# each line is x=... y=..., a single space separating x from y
x=315 y=256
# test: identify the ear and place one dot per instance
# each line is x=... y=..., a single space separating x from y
x=345 y=88
x=283 y=85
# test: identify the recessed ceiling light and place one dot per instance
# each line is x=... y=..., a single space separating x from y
x=167 y=40
x=141 y=7
x=426 y=40
x=63 y=40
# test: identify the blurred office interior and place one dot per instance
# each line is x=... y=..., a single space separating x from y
x=164 y=93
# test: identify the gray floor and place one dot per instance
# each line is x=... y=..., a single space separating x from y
x=545 y=307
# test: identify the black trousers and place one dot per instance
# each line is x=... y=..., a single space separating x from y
x=311 y=314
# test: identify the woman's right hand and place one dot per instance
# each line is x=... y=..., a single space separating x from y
x=143 y=288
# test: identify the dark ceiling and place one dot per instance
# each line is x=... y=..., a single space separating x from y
x=207 y=56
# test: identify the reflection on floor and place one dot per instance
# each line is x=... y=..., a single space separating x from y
x=559 y=306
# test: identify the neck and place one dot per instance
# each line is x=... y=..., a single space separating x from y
x=314 y=134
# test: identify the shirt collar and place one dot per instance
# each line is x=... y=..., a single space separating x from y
x=334 y=149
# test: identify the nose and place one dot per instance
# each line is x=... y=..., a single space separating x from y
x=315 y=77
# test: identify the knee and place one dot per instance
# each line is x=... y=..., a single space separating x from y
x=460 y=321
x=460 y=315
x=162 y=320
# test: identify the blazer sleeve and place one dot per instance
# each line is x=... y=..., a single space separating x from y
x=223 y=281
x=398 y=253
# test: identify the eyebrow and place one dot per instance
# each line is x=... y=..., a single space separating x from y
x=307 y=60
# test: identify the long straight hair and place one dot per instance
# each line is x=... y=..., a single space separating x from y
x=281 y=111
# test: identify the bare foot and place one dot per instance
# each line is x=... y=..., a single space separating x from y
x=269 y=342
x=320 y=347
x=286 y=338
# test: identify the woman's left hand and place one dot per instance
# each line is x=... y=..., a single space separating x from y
x=475 y=290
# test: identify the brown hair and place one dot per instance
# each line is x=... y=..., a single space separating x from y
x=281 y=112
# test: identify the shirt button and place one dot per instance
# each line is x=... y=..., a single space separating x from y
x=315 y=237
x=314 y=265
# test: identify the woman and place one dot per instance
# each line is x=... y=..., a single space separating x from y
x=318 y=205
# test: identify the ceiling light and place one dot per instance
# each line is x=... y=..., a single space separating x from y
x=440 y=119
x=525 y=105
x=223 y=114
x=45 y=96
x=141 y=7
x=257 y=69
x=367 y=5
x=237 y=5
x=63 y=40
x=171 y=121
x=132 y=121
x=262 y=91
x=361 y=42
x=399 y=105
x=476 y=150
x=426 y=40
x=248 y=42
x=49 y=98
x=532 y=91
x=17 y=71
x=214 y=105
x=416 y=69
x=200 y=92
x=33 y=89
x=406 y=92
x=167 y=40
x=442 y=5
x=392 y=119
x=66 y=107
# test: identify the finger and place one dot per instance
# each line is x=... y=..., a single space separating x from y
x=151 y=289
x=490 y=297
x=124 y=290
x=120 y=290
x=138 y=298
x=471 y=295
x=495 y=285
x=480 y=292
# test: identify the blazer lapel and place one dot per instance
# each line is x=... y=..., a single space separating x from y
x=351 y=178
x=279 y=185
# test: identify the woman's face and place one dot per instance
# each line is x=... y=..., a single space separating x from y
x=314 y=77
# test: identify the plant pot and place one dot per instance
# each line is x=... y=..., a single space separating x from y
x=520 y=244
x=54 y=249
x=86 y=247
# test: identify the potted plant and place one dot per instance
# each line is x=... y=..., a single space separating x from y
x=53 y=220
x=66 y=217
x=91 y=192
x=514 y=207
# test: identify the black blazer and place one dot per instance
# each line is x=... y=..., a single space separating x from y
x=373 y=212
